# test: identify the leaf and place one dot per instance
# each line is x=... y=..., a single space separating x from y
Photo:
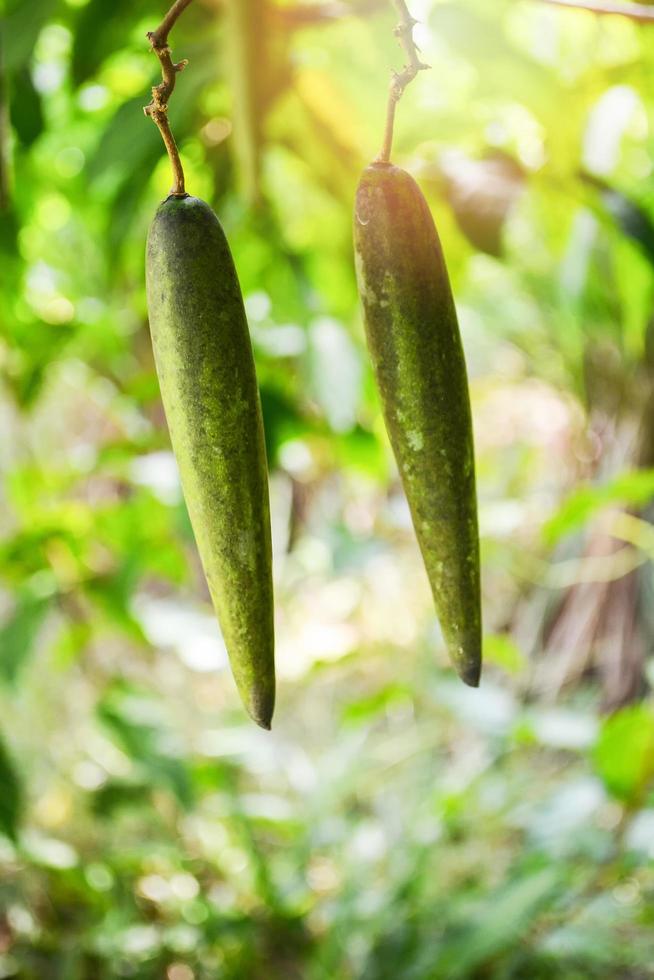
x=19 y=632
x=501 y=650
x=498 y=924
x=10 y=794
x=282 y=420
x=118 y=794
x=624 y=754
x=128 y=141
x=21 y=29
x=482 y=194
x=137 y=722
x=113 y=593
x=635 y=488
x=368 y=709
x=361 y=451
x=25 y=109
x=634 y=222
x=38 y=346
x=101 y=29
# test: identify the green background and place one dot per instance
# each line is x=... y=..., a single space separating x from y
x=394 y=824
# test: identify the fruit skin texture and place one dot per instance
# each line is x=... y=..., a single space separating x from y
x=209 y=388
x=415 y=346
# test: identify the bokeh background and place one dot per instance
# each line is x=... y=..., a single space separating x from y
x=394 y=824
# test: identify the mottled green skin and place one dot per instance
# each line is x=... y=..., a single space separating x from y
x=415 y=346
x=208 y=384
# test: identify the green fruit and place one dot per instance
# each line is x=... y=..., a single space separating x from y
x=209 y=388
x=415 y=346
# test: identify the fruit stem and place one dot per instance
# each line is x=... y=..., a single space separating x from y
x=404 y=33
x=158 y=107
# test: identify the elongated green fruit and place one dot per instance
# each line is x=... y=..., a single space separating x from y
x=415 y=346
x=208 y=384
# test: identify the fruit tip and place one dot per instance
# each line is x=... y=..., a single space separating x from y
x=470 y=674
x=262 y=714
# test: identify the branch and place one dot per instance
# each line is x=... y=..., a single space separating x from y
x=158 y=108
x=404 y=33
x=634 y=11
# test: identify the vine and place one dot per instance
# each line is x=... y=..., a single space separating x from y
x=404 y=33
x=157 y=110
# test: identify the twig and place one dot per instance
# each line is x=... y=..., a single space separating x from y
x=158 y=108
x=634 y=11
x=404 y=33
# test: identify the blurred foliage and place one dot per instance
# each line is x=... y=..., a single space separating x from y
x=394 y=824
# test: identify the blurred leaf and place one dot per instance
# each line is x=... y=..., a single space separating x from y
x=19 y=632
x=100 y=30
x=361 y=451
x=117 y=794
x=482 y=194
x=634 y=222
x=594 y=936
x=36 y=346
x=504 y=918
x=26 y=110
x=624 y=754
x=113 y=594
x=282 y=420
x=501 y=650
x=634 y=488
x=368 y=709
x=21 y=29
x=137 y=721
x=128 y=141
x=10 y=794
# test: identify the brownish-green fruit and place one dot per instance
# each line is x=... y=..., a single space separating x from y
x=209 y=388
x=415 y=346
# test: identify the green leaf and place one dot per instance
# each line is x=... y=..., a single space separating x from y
x=500 y=923
x=19 y=632
x=368 y=709
x=21 y=29
x=634 y=488
x=117 y=794
x=501 y=650
x=26 y=110
x=632 y=220
x=137 y=722
x=128 y=141
x=100 y=30
x=10 y=794
x=624 y=754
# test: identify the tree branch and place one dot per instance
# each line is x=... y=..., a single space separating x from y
x=404 y=33
x=158 y=108
x=634 y=11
